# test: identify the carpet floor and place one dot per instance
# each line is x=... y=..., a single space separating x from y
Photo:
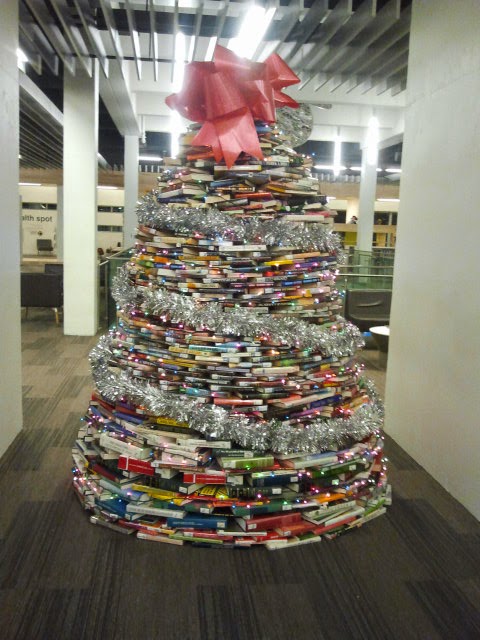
x=413 y=573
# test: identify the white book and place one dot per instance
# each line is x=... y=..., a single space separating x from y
x=150 y=509
x=126 y=448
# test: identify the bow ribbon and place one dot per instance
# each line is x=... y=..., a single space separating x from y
x=227 y=95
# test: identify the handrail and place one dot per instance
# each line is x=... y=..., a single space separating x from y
x=367 y=275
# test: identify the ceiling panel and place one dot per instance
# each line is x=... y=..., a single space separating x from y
x=341 y=49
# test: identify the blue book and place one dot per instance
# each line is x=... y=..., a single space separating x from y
x=197 y=522
x=116 y=506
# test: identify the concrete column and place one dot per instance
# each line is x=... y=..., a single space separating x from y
x=59 y=234
x=10 y=215
x=80 y=143
x=131 y=190
x=434 y=354
x=366 y=204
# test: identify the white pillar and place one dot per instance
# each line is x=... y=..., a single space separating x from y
x=80 y=143
x=10 y=339
x=434 y=353
x=59 y=233
x=131 y=190
x=366 y=204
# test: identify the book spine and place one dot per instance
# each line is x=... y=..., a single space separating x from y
x=138 y=466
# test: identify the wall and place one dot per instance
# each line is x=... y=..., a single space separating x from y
x=434 y=357
x=10 y=345
x=38 y=223
x=42 y=223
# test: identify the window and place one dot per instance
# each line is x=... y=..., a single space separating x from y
x=110 y=228
x=34 y=205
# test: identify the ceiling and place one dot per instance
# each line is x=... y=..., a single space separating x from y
x=351 y=57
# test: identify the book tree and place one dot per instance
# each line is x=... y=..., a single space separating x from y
x=229 y=408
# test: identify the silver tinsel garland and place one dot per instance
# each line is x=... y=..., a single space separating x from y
x=216 y=422
x=214 y=224
x=240 y=321
x=211 y=420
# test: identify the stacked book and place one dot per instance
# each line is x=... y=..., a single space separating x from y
x=280 y=184
x=148 y=475
x=149 y=472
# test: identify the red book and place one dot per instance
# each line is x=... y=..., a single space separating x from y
x=323 y=529
x=254 y=195
x=205 y=478
x=102 y=471
x=263 y=523
x=137 y=466
x=297 y=528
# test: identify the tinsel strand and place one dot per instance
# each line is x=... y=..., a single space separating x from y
x=240 y=321
x=216 y=422
x=214 y=224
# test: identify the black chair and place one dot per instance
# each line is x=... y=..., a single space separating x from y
x=42 y=290
x=44 y=244
x=368 y=307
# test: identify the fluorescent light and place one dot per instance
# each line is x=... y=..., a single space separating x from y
x=179 y=64
x=21 y=56
x=360 y=168
x=337 y=155
x=393 y=170
x=29 y=184
x=252 y=30
x=210 y=50
x=150 y=158
x=328 y=167
x=388 y=199
x=372 y=139
x=106 y=186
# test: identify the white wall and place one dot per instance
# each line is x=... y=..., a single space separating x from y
x=42 y=223
x=434 y=358
x=38 y=223
x=10 y=346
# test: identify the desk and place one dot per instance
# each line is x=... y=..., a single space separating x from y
x=381 y=335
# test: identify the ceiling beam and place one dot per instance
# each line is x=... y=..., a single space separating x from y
x=153 y=39
x=44 y=104
x=113 y=32
x=196 y=28
x=174 y=42
x=323 y=33
x=288 y=21
x=118 y=101
x=52 y=33
x=72 y=34
x=318 y=12
x=135 y=38
x=30 y=32
x=91 y=31
x=340 y=36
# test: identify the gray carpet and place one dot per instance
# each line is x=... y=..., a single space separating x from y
x=413 y=573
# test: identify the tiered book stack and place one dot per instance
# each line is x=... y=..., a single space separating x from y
x=229 y=408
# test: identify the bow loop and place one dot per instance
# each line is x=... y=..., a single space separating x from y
x=227 y=95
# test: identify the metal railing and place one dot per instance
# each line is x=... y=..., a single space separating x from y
x=107 y=270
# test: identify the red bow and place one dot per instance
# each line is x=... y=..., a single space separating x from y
x=227 y=95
